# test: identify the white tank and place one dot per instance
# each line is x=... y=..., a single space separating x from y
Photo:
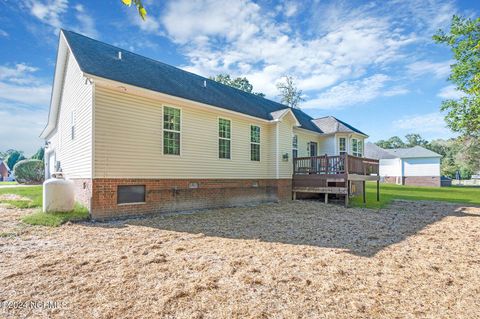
x=58 y=194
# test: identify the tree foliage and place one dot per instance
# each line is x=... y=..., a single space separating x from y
x=392 y=142
x=415 y=140
x=138 y=4
x=13 y=157
x=40 y=154
x=289 y=93
x=460 y=154
x=238 y=83
x=30 y=171
x=463 y=38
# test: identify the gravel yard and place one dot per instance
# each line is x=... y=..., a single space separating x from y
x=294 y=260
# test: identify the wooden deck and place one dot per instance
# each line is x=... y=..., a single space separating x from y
x=333 y=175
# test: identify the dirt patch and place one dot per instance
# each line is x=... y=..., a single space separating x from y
x=14 y=197
x=294 y=260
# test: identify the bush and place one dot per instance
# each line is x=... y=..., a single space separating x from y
x=29 y=171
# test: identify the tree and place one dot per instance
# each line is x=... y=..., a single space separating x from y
x=289 y=93
x=238 y=83
x=392 y=142
x=415 y=140
x=29 y=171
x=13 y=158
x=463 y=114
x=39 y=155
x=138 y=4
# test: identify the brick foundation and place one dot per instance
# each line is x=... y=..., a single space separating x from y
x=433 y=181
x=83 y=191
x=168 y=195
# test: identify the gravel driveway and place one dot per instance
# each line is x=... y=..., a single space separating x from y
x=293 y=260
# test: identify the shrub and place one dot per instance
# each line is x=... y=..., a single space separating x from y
x=29 y=171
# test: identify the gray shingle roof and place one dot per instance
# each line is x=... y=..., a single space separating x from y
x=101 y=59
x=330 y=124
x=416 y=151
x=376 y=152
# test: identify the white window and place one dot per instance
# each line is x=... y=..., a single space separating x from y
x=295 y=146
x=72 y=124
x=357 y=147
x=224 y=138
x=254 y=143
x=171 y=131
x=342 y=145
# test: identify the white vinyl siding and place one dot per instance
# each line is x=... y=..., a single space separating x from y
x=424 y=166
x=128 y=129
x=71 y=141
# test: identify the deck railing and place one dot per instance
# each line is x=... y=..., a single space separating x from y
x=339 y=164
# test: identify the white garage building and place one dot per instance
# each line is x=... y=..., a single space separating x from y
x=407 y=166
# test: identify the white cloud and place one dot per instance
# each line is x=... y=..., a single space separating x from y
x=290 y=9
x=354 y=92
x=54 y=14
x=49 y=12
x=3 y=33
x=20 y=73
x=86 y=22
x=242 y=39
x=422 y=123
x=24 y=100
x=437 y=69
x=21 y=127
x=19 y=84
x=450 y=92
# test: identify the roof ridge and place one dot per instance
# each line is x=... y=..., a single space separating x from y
x=171 y=66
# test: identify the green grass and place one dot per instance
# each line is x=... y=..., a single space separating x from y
x=34 y=200
x=8 y=183
x=389 y=192
x=33 y=193
x=56 y=219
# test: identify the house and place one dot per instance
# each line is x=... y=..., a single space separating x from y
x=4 y=171
x=137 y=135
x=407 y=166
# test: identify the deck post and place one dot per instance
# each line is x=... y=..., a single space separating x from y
x=363 y=191
x=347 y=194
x=294 y=195
x=326 y=198
x=378 y=190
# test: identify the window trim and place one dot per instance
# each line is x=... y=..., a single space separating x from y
x=345 y=151
x=180 y=131
x=355 y=152
x=360 y=149
x=223 y=138
x=295 y=147
x=255 y=143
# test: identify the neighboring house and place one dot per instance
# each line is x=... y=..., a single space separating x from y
x=407 y=166
x=137 y=135
x=4 y=171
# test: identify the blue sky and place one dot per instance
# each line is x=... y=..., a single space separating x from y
x=372 y=64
